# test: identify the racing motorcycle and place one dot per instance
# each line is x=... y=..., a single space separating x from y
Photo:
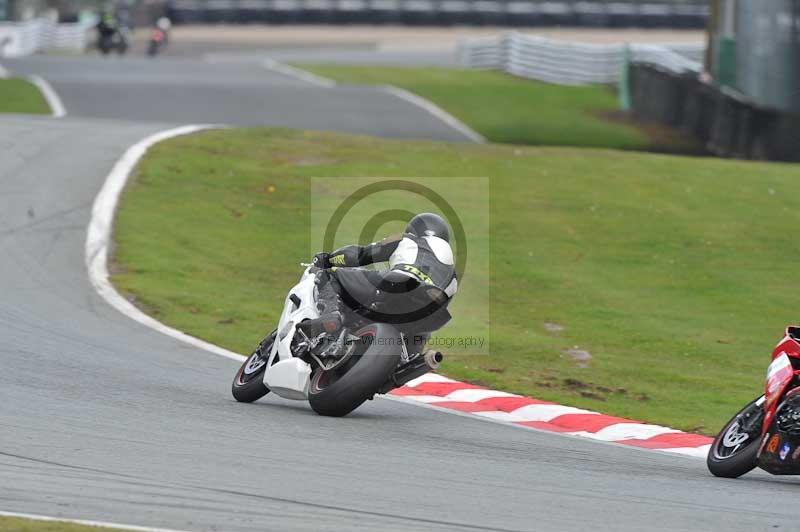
x=334 y=357
x=117 y=40
x=766 y=432
x=158 y=40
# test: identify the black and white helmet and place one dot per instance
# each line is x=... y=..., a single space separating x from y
x=428 y=224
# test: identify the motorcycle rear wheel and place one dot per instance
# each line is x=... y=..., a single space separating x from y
x=339 y=391
x=734 y=450
x=248 y=384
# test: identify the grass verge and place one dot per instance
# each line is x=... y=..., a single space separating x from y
x=15 y=524
x=512 y=110
x=672 y=273
x=21 y=96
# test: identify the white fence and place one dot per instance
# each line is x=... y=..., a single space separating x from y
x=25 y=38
x=572 y=63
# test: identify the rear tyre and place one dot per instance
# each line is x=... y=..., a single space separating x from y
x=339 y=391
x=248 y=384
x=734 y=450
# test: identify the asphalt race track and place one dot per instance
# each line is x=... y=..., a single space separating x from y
x=104 y=419
x=193 y=90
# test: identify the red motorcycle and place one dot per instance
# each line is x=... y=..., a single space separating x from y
x=766 y=432
x=158 y=39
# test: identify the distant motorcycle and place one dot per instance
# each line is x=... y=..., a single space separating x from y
x=158 y=39
x=117 y=40
x=766 y=432
x=334 y=358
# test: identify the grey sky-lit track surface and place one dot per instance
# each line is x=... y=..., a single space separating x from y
x=242 y=93
x=347 y=56
x=102 y=418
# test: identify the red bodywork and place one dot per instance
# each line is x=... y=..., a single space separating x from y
x=780 y=374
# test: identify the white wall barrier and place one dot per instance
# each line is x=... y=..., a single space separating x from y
x=571 y=63
x=25 y=38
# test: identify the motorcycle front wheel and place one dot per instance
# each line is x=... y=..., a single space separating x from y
x=339 y=391
x=734 y=450
x=248 y=384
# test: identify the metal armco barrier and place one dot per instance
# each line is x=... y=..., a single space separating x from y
x=25 y=38
x=597 y=13
x=728 y=124
x=569 y=63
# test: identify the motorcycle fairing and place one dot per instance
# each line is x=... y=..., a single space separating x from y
x=780 y=452
x=780 y=373
x=783 y=457
x=291 y=377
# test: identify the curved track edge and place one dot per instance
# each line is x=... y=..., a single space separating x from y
x=57 y=109
x=414 y=99
x=508 y=408
x=84 y=522
x=431 y=390
x=99 y=235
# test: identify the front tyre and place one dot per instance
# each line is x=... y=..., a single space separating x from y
x=341 y=390
x=734 y=450
x=248 y=384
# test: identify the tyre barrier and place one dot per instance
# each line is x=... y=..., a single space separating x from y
x=727 y=122
x=522 y=13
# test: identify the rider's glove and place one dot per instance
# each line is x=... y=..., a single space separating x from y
x=322 y=260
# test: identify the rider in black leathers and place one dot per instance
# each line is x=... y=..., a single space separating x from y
x=108 y=24
x=420 y=281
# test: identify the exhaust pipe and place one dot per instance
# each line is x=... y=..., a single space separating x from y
x=409 y=371
x=432 y=358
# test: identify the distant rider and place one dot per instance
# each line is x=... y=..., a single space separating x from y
x=108 y=25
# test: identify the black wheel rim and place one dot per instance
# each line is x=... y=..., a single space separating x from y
x=255 y=364
x=742 y=432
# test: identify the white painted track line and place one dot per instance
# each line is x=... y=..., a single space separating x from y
x=53 y=100
x=428 y=106
x=436 y=111
x=296 y=73
x=95 y=524
x=57 y=109
x=475 y=395
x=97 y=245
x=547 y=412
x=99 y=235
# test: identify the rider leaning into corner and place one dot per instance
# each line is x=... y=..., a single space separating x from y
x=421 y=271
x=356 y=305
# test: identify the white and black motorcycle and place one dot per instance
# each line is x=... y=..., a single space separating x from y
x=336 y=360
